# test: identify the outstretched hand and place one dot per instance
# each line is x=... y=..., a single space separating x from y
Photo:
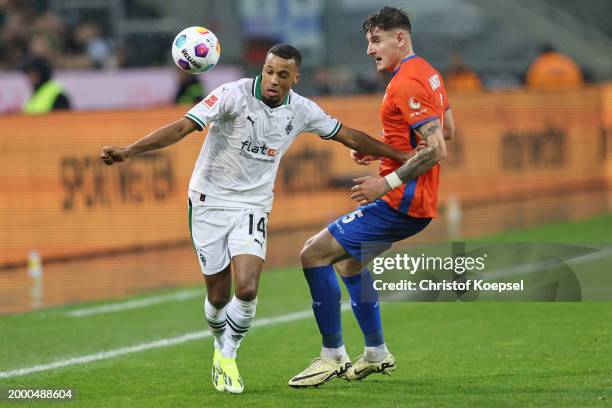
x=366 y=159
x=362 y=159
x=112 y=154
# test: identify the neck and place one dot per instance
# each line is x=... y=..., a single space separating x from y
x=270 y=103
x=402 y=55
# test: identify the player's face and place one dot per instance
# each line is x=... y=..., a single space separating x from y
x=384 y=47
x=279 y=75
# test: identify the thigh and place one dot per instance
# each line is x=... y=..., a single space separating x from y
x=322 y=249
x=248 y=233
x=373 y=228
x=209 y=233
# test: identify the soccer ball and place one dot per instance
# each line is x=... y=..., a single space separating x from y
x=196 y=50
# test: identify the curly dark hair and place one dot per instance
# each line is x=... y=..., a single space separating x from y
x=386 y=19
x=288 y=52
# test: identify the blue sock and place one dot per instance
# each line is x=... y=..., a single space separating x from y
x=326 y=295
x=364 y=301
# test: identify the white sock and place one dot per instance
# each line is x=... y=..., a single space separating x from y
x=216 y=322
x=376 y=354
x=240 y=315
x=337 y=354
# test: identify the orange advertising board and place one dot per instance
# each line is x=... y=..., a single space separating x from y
x=57 y=196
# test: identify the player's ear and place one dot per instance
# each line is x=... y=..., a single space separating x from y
x=296 y=79
x=400 y=37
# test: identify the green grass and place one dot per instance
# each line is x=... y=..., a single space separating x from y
x=449 y=354
x=592 y=230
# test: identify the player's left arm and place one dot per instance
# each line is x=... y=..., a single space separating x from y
x=449 y=124
x=367 y=145
x=369 y=189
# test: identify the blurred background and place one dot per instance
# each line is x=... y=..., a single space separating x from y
x=527 y=80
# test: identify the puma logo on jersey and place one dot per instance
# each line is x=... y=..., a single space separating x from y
x=258 y=241
x=250 y=119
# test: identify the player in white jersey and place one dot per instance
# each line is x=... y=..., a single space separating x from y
x=252 y=123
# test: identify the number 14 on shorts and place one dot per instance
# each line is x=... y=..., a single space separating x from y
x=261 y=225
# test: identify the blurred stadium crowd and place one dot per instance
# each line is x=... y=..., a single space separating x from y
x=30 y=28
x=461 y=37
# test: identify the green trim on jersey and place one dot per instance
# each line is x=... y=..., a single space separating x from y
x=197 y=120
x=333 y=132
x=257 y=87
x=256 y=91
x=190 y=215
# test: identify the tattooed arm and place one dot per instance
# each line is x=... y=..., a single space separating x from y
x=369 y=189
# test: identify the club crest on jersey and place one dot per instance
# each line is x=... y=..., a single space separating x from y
x=414 y=104
x=289 y=127
x=202 y=258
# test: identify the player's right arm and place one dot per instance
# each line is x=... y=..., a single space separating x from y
x=159 y=139
x=219 y=103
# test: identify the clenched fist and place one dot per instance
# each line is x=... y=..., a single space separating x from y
x=112 y=154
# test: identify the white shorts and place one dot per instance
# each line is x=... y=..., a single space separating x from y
x=219 y=234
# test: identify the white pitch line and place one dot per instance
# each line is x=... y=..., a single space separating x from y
x=171 y=341
x=134 y=304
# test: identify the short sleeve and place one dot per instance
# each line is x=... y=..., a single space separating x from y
x=415 y=103
x=319 y=122
x=220 y=103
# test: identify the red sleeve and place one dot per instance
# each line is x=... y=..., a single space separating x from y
x=415 y=103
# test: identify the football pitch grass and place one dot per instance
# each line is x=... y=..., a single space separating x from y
x=449 y=354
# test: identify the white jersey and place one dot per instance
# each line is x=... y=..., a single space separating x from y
x=246 y=140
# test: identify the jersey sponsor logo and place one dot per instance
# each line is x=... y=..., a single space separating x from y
x=418 y=113
x=434 y=81
x=211 y=100
x=254 y=148
x=191 y=60
x=414 y=104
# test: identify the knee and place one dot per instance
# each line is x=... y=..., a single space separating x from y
x=246 y=293
x=305 y=254
x=309 y=255
x=219 y=301
x=342 y=269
